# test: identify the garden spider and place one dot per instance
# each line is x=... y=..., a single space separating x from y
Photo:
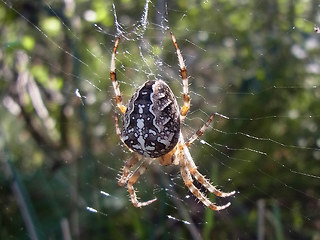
x=151 y=129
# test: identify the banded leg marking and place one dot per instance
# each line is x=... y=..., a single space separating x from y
x=187 y=178
x=126 y=168
x=204 y=182
x=200 y=131
x=183 y=72
x=113 y=77
x=201 y=179
x=132 y=179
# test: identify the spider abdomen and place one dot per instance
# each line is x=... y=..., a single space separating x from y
x=151 y=124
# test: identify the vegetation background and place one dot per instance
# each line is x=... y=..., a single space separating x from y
x=255 y=62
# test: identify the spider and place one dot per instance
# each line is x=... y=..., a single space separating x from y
x=151 y=130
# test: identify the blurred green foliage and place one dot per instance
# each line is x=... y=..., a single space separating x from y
x=255 y=62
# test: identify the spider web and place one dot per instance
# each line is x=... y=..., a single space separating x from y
x=263 y=142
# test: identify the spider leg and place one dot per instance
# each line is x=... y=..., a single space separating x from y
x=183 y=72
x=200 y=131
x=187 y=178
x=126 y=168
x=201 y=179
x=113 y=77
x=204 y=182
x=118 y=130
x=131 y=161
x=133 y=178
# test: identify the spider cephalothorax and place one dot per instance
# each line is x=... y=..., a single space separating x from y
x=151 y=130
